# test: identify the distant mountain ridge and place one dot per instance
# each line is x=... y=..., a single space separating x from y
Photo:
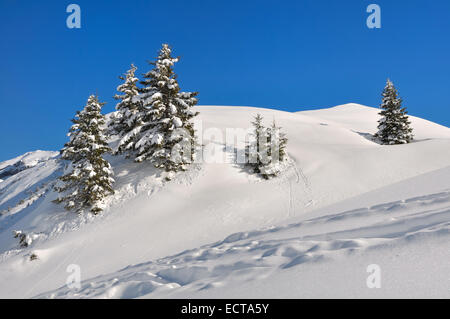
x=23 y=162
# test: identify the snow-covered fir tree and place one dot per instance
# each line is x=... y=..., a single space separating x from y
x=257 y=149
x=167 y=136
x=266 y=150
x=127 y=121
x=88 y=176
x=277 y=142
x=394 y=125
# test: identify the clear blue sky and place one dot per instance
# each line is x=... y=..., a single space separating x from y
x=290 y=55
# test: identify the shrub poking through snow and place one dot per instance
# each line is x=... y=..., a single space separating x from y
x=88 y=176
x=24 y=239
x=127 y=120
x=266 y=150
x=394 y=125
x=167 y=136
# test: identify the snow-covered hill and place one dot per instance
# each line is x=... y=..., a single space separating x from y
x=217 y=231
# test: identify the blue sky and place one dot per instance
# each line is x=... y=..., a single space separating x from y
x=290 y=55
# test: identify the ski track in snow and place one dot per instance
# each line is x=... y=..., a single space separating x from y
x=257 y=254
x=296 y=185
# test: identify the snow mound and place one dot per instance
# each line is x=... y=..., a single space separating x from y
x=363 y=120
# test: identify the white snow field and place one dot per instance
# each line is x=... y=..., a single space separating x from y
x=217 y=231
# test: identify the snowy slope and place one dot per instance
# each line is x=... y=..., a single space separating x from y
x=31 y=159
x=344 y=203
x=319 y=257
x=25 y=177
x=345 y=115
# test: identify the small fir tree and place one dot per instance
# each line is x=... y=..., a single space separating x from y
x=277 y=142
x=394 y=125
x=257 y=149
x=88 y=176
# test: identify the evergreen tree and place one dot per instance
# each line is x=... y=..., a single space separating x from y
x=88 y=177
x=127 y=121
x=277 y=142
x=394 y=125
x=167 y=135
x=257 y=149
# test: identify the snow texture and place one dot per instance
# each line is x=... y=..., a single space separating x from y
x=342 y=203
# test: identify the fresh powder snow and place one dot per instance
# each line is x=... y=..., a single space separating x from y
x=342 y=203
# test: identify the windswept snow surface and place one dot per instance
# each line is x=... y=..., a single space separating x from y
x=343 y=204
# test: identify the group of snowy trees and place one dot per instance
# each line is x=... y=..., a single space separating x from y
x=394 y=126
x=153 y=123
x=266 y=150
